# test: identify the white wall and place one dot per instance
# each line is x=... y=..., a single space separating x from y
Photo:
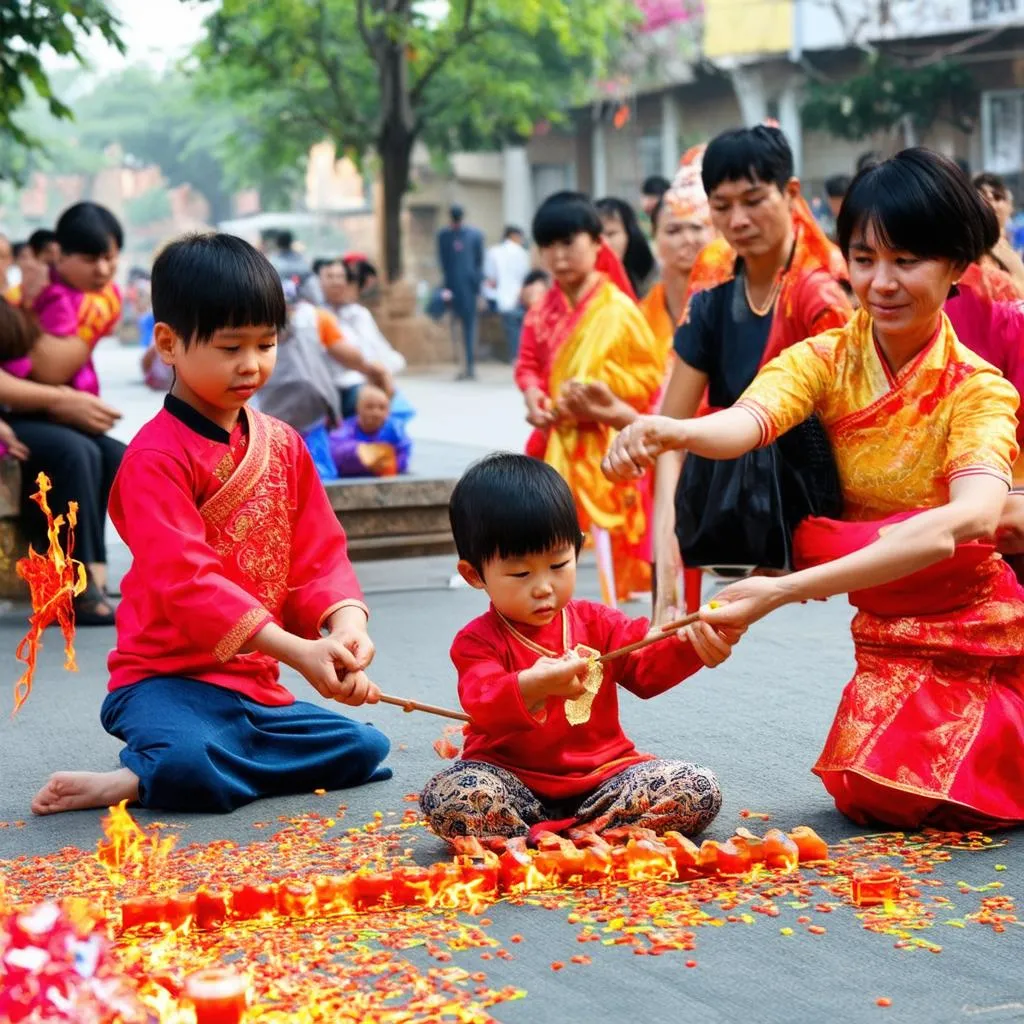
x=831 y=24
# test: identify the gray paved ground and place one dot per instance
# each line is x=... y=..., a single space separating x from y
x=758 y=721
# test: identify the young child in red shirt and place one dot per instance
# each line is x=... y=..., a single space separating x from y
x=524 y=764
x=238 y=564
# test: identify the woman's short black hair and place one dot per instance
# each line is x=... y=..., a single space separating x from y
x=203 y=283
x=922 y=203
x=639 y=260
x=759 y=154
x=563 y=216
x=88 y=229
x=509 y=506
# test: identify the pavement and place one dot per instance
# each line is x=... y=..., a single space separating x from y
x=758 y=721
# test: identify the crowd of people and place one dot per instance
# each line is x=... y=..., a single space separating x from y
x=816 y=417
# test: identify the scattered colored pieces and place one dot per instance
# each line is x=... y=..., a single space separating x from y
x=347 y=964
x=443 y=745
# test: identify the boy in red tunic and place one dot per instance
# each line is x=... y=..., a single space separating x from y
x=524 y=763
x=238 y=564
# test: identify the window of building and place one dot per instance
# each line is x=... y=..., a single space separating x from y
x=649 y=152
x=1002 y=118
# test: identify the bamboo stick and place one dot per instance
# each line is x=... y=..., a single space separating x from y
x=669 y=629
x=430 y=709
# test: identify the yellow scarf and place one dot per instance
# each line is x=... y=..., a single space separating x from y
x=612 y=343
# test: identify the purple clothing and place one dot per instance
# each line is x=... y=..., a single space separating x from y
x=345 y=441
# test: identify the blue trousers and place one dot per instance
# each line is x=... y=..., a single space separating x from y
x=200 y=747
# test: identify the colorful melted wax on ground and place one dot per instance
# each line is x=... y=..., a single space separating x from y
x=304 y=965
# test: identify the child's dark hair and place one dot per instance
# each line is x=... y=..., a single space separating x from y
x=760 y=154
x=88 y=229
x=509 y=506
x=42 y=237
x=563 y=216
x=922 y=203
x=203 y=283
x=537 y=275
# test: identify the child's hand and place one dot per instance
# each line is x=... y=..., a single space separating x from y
x=553 y=677
x=334 y=672
x=348 y=627
x=712 y=646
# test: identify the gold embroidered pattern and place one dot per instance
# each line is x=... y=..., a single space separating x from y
x=229 y=644
x=249 y=519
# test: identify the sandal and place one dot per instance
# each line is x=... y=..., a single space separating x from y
x=92 y=608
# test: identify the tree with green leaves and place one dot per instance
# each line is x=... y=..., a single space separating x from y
x=886 y=95
x=28 y=28
x=378 y=76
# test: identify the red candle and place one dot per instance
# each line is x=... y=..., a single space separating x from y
x=180 y=909
x=369 y=891
x=211 y=908
x=296 y=899
x=780 y=851
x=684 y=852
x=872 y=888
x=410 y=886
x=218 y=994
x=810 y=845
x=140 y=911
x=733 y=858
x=254 y=901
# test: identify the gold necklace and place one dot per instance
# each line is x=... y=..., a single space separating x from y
x=772 y=296
x=535 y=647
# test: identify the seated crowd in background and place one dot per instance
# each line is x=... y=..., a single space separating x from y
x=64 y=302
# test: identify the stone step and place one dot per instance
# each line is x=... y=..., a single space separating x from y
x=397 y=517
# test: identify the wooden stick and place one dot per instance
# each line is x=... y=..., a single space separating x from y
x=666 y=631
x=415 y=705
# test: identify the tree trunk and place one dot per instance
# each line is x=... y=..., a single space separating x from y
x=395 y=151
x=397 y=135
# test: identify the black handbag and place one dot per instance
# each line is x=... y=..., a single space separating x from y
x=741 y=513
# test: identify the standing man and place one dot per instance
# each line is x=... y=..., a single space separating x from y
x=505 y=269
x=460 y=251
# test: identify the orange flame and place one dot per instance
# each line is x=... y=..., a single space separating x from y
x=125 y=844
x=54 y=580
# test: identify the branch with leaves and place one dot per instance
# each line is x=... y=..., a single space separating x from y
x=27 y=28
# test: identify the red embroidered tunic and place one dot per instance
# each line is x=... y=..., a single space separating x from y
x=559 y=761
x=227 y=533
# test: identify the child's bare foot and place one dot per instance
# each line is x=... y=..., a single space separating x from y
x=76 y=791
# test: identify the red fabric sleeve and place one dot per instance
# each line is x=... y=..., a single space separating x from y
x=489 y=692
x=651 y=670
x=530 y=369
x=153 y=507
x=320 y=576
x=823 y=304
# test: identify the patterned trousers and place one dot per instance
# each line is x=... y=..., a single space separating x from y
x=471 y=798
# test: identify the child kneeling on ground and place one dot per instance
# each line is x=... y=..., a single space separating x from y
x=238 y=564
x=524 y=764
